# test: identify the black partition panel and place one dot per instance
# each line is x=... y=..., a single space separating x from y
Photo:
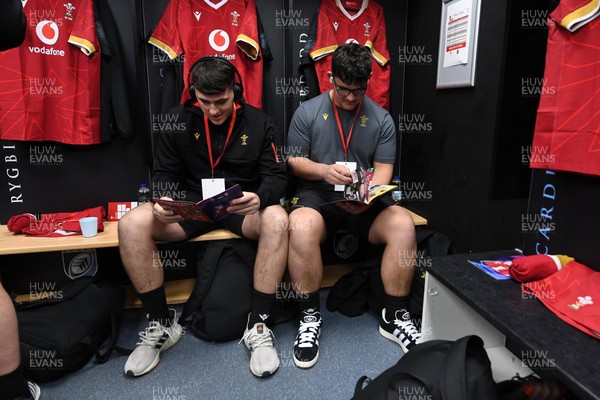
x=563 y=216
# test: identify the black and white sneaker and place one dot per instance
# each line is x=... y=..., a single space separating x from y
x=401 y=330
x=306 y=346
x=155 y=339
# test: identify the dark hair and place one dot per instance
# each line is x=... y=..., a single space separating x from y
x=351 y=63
x=211 y=76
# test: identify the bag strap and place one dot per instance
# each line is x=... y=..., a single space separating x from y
x=205 y=273
x=453 y=380
x=69 y=291
x=359 y=385
x=115 y=327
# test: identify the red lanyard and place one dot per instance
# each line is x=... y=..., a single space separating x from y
x=214 y=164
x=345 y=142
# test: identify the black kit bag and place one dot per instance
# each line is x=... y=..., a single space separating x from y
x=362 y=288
x=221 y=300
x=61 y=332
x=435 y=370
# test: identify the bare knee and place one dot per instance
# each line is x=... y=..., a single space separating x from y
x=393 y=224
x=274 y=219
x=138 y=221
x=307 y=229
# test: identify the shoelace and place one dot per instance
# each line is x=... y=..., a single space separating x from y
x=409 y=328
x=258 y=340
x=151 y=334
x=307 y=333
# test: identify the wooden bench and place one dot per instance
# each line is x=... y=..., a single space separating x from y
x=177 y=291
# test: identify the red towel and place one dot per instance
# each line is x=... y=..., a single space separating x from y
x=54 y=224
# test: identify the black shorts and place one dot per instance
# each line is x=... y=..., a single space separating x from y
x=193 y=229
x=335 y=217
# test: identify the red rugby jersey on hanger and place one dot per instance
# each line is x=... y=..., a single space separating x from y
x=227 y=28
x=338 y=25
x=50 y=85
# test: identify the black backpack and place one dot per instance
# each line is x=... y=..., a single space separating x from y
x=221 y=300
x=362 y=288
x=435 y=370
x=61 y=332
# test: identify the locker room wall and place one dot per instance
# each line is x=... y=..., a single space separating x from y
x=451 y=135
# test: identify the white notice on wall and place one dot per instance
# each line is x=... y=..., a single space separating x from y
x=457 y=35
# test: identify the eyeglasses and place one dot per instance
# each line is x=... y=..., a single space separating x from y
x=345 y=92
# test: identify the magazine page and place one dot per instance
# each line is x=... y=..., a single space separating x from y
x=211 y=209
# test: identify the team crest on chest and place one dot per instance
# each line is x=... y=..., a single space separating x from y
x=234 y=18
x=363 y=121
x=367 y=27
x=69 y=8
x=244 y=138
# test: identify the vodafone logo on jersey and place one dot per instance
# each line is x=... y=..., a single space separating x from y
x=219 y=40
x=47 y=32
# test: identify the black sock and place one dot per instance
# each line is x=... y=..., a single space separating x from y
x=13 y=385
x=395 y=303
x=262 y=304
x=155 y=304
x=313 y=300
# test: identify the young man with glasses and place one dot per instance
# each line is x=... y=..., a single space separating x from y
x=333 y=134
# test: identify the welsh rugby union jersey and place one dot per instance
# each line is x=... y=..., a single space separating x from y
x=226 y=28
x=338 y=25
x=567 y=131
x=50 y=85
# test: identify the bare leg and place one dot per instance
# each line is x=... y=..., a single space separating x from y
x=307 y=232
x=138 y=233
x=394 y=228
x=270 y=228
x=9 y=351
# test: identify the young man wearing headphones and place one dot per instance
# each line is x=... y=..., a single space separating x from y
x=333 y=134
x=217 y=141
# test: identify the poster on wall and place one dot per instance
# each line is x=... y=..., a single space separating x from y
x=458 y=27
x=458 y=43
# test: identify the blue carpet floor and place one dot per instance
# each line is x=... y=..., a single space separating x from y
x=198 y=370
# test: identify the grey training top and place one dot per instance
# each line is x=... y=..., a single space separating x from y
x=314 y=133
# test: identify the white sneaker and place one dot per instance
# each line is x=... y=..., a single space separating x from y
x=263 y=356
x=153 y=340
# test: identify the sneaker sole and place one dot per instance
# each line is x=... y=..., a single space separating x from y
x=393 y=338
x=148 y=369
x=265 y=373
x=306 y=364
